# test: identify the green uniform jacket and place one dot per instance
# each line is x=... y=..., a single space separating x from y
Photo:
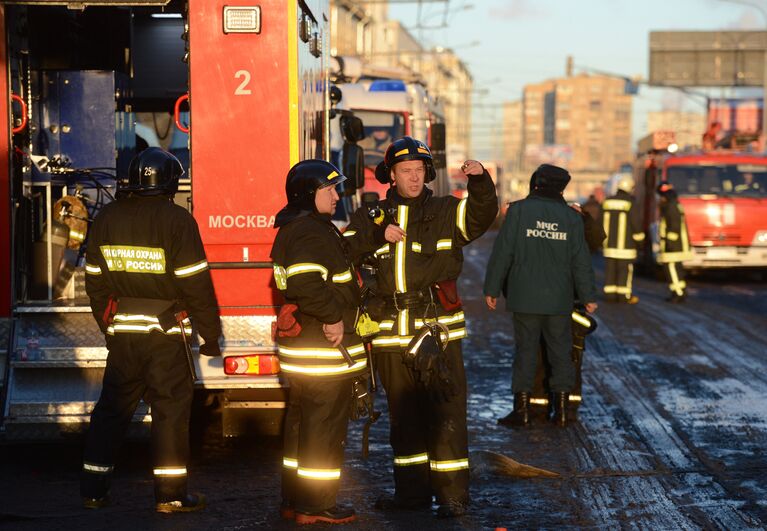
x=437 y=230
x=314 y=272
x=539 y=256
x=674 y=240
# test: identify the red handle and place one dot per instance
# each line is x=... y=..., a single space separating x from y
x=177 y=112
x=24 y=116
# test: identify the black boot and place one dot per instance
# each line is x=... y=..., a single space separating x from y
x=185 y=504
x=559 y=402
x=335 y=515
x=521 y=414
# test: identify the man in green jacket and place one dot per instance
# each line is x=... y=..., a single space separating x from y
x=539 y=260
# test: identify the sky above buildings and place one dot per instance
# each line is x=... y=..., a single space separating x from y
x=510 y=43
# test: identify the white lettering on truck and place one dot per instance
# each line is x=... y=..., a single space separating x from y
x=240 y=221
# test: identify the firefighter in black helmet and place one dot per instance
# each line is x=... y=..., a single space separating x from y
x=314 y=328
x=674 y=242
x=146 y=271
x=417 y=268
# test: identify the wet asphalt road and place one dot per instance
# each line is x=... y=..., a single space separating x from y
x=671 y=434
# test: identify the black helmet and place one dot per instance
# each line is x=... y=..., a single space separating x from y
x=302 y=181
x=402 y=149
x=154 y=171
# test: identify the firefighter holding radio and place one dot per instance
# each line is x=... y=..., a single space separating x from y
x=146 y=272
x=320 y=352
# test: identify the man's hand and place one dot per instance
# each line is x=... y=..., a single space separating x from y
x=394 y=233
x=491 y=302
x=472 y=167
x=210 y=348
x=334 y=332
x=591 y=307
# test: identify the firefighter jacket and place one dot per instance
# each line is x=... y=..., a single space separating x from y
x=313 y=270
x=539 y=257
x=621 y=221
x=437 y=229
x=147 y=253
x=672 y=230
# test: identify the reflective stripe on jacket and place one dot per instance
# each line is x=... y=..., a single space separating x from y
x=620 y=219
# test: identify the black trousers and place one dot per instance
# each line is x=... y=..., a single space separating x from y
x=153 y=367
x=428 y=436
x=556 y=331
x=541 y=388
x=314 y=441
x=618 y=277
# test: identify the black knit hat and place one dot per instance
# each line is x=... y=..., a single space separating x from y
x=550 y=177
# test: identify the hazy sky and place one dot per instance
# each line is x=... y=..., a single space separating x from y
x=527 y=41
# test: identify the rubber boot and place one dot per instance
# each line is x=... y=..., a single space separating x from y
x=559 y=402
x=521 y=414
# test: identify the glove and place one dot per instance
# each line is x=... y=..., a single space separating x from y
x=430 y=364
x=210 y=348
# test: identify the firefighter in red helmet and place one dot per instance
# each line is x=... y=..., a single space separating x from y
x=319 y=350
x=418 y=305
x=146 y=271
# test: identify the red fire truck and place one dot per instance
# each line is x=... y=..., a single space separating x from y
x=84 y=82
x=724 y=195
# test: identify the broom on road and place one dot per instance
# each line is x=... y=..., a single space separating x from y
x=485 y=461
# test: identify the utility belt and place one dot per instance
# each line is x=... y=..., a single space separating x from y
x=410 y=300
x=444 y=291
x=169 y=313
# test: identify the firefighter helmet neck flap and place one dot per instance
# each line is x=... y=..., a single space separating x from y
x=303 y=180
x=402 y=149
x=154 y=171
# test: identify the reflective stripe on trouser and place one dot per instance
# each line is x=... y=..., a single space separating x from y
x=618 y=277
x=151 y=366
x=314 y=434
x=429 y=438
x=675 y=277
x=556 y=331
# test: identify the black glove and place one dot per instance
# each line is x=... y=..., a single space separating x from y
x=210 y=348
x=362 y=399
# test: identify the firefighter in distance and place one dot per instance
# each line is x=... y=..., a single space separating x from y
x=146 y=271
x=417 y=265
x=674 y=242
x=314 y=271
x=620 y=218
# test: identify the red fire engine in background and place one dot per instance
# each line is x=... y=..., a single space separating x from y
x=85 y=84
x=724 y=195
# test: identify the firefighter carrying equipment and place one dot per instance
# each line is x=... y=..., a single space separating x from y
x=303 y=180
x=154 y=171
x=422 y=429
x=426 y=356
x=402 y=149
